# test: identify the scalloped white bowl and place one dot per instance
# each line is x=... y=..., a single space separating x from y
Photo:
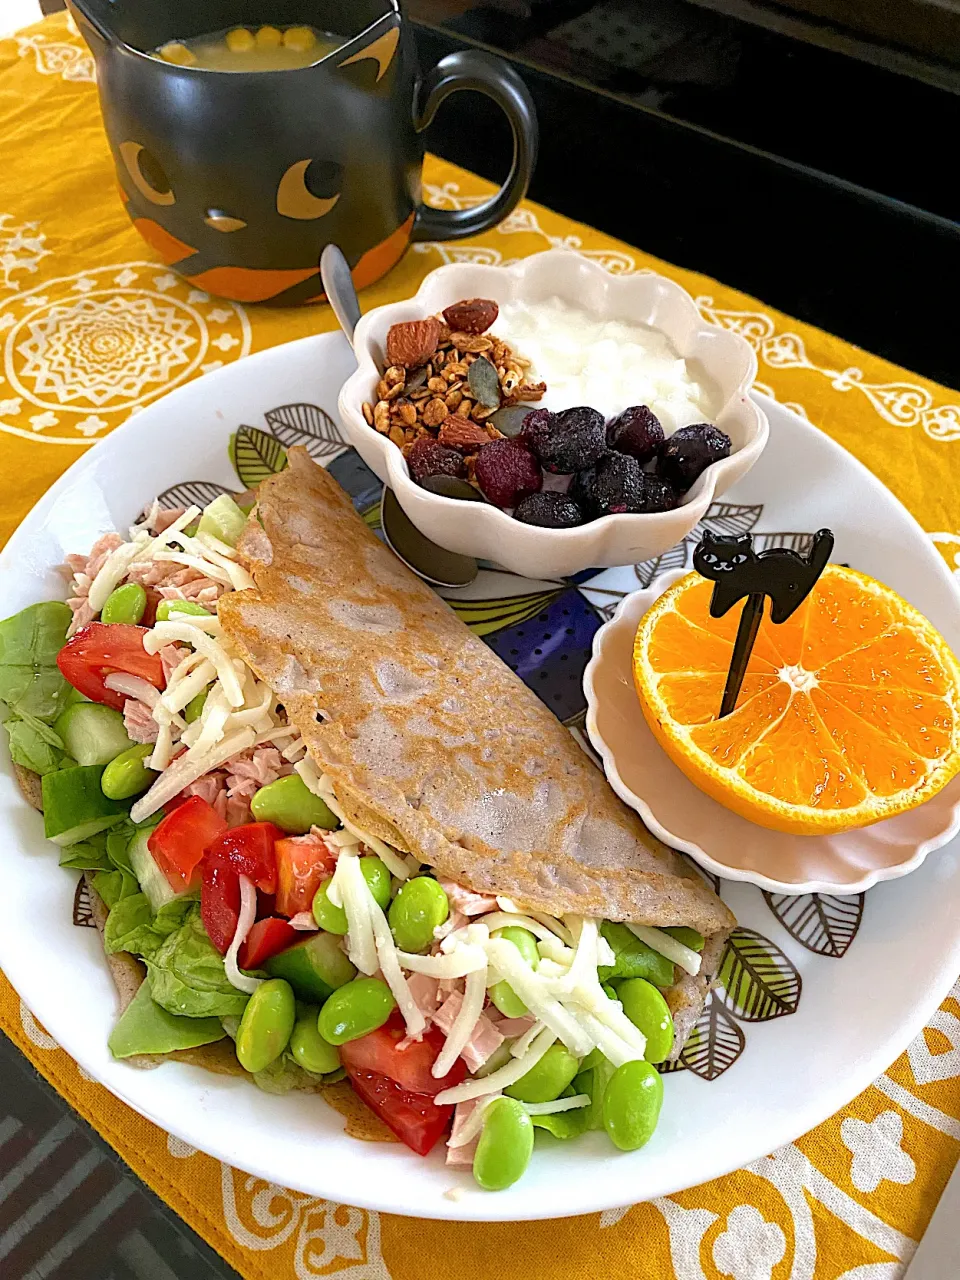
x=723 y=360
x=722 y=842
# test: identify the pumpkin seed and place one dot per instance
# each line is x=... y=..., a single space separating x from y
x=452 y=487
x=509 y=420
x=484 y=383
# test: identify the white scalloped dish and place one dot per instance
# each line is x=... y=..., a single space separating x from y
x=724 y=843
x=719 y=358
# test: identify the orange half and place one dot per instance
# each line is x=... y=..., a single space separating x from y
x=849 y=712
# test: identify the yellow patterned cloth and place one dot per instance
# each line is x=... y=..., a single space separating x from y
x=93 y=329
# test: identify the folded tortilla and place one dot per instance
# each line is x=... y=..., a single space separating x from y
x=430 y=741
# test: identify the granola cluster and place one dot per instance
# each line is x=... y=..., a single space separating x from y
x=446 y=379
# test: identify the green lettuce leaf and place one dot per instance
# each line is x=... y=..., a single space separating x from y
x=144 y=1027
x=564 y=1124
x=87 y=855
x=114 y=886
x=285 y=1074
x=30 y=682
x=132 y=925
x=28 y=748
x=187 y=976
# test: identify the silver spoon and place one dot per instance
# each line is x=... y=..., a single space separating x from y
x=439 y=567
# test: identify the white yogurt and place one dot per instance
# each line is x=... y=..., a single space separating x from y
x=606 y=364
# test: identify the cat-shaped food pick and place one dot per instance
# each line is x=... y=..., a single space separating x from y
x=736 y=570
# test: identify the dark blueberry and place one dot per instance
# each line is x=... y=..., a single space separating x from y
x=507 y=471
x=549 y=511
x=427 y=458
x=615 y=484
x=636 y=431
x=689 y=451
x=658 y=494
x=568 y=441
x=618 y=484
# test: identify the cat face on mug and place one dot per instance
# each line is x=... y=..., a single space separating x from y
x=255 y=181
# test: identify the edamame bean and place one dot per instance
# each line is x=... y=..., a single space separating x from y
x=547 y=1078
x=308 y=1046
x=355 y=1009
x=194 y=708
x=167 y=608
x=126 y=775
x=501 y=993
x=419 y=907
x=634 y=959
x=125 y=604
x=334 y=919
x=505 y=1146
x=267 y=1023
x=689 y=937
x=290 y=804
x=649 y=1012
x=631 y=1104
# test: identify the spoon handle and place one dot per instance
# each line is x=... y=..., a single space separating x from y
x=338 y=286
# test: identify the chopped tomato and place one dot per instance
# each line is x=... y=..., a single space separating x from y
x=101 y=648
x=414 y=1117
x=178 y=843
x=409 y=1067
x=303 y=863
x=264 y=940
x=249 y=850
x=219 y=900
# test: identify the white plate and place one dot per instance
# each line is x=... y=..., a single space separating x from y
x=676 y=810
x=830 y=1037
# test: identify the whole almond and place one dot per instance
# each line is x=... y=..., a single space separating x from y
x=459 y=433
x=472 y=315
x=413 y=342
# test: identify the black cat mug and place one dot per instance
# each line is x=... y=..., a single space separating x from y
x=238 y=180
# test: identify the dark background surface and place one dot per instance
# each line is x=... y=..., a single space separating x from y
x=802 y=160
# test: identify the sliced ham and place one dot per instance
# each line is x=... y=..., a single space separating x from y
x=463 y=1156
x=139 y=722
x=466 y=901
x=164 y=517
x=82 y=571
x=171 y=655
x=484 y=1038
x=425 y=993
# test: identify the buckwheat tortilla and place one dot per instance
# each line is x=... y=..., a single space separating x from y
x=430 y=741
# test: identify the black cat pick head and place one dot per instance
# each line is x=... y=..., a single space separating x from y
x=740 y=573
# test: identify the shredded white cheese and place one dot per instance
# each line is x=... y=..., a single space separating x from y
x=390 y=965
x=181 y=630
x=668 y=946
x=248 y=913
x=473 y=1123
x=186 y=769
x=463 y=1025
x=355 y=895
x=462 y=961
x=559 y=1104
x=499 y=1080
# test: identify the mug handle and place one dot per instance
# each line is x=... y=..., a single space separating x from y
x=472 y=69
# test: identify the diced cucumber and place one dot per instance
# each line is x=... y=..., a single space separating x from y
x=224 y=519
x=144 y=1027
x=151 y=879
x=315 y=967
x=74 y=806
x=91 y=733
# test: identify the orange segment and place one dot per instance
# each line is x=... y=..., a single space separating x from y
x=849 y=712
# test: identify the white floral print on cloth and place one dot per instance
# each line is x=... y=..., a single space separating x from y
x=82 y=352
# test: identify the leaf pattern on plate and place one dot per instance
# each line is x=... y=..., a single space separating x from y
x=256 y=455
x=306 y=424
x=756 y=981
x=188 y=493
x=824 y=923
x=486 y=616
x=728 y=518
x=715 y=1043
x=82 y=908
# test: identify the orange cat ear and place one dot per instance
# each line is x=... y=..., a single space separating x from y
x=382 y=49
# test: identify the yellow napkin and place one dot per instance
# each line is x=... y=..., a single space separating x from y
x=93 y=329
